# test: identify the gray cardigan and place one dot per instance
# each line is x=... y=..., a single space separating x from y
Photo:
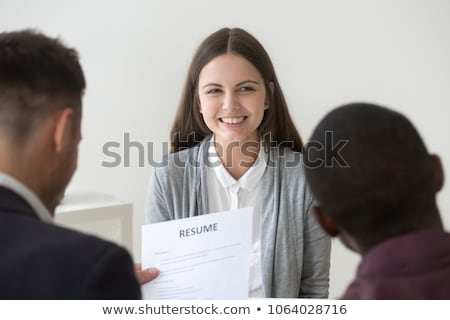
x=295 y=252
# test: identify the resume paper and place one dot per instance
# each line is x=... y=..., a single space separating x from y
x=203 y=257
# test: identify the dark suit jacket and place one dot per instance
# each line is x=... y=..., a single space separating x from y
x=44 y=261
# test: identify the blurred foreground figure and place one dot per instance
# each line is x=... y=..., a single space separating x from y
x=41 y=86
x=376 y=191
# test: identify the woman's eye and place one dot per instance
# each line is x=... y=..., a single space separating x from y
x=246 y=89
x=212 y=91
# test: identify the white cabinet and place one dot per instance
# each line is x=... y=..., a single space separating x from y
x=98 y=214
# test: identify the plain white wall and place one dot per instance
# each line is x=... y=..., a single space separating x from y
x=135 y=55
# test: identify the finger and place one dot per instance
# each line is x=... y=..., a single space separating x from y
x=147 y=275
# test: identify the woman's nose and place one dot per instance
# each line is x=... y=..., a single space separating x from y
x=230 y=102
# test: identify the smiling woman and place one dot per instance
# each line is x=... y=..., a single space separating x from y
x=233 y=99
x=232 y=109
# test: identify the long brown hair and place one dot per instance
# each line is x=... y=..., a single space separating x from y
x=276 y=128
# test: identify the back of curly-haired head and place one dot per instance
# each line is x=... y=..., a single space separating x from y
x=387 y=186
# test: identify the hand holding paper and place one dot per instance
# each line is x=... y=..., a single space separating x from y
x=204 y=257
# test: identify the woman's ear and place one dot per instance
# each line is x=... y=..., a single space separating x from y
x=197 y=103
x=272 y=90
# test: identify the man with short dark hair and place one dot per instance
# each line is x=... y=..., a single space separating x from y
x=381 y=202
x=41 y=87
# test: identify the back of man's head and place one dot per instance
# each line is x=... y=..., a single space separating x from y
x=387 y=185
x=41 y=87
x=37 y=74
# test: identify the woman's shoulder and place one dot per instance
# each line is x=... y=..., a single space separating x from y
x=180 y=161
x=283 y=157
x=287 y=170
x=286 y=166
x=182 y=155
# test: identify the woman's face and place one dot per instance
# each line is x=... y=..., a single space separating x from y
x=232 y=98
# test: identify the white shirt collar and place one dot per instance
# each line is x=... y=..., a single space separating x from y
x=35 y=203
x=249 y=180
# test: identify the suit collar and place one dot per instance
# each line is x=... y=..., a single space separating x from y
x=23 y=193
x=11 y=202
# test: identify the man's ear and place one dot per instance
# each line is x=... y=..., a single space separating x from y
x=438 y=172
x=63 y=128
x=326 y=222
